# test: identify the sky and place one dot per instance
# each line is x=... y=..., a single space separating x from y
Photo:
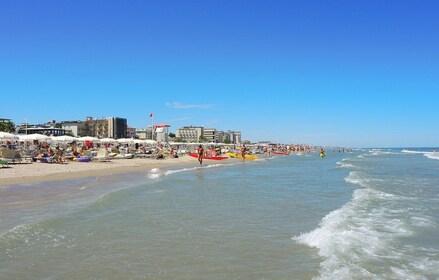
x=333 y=73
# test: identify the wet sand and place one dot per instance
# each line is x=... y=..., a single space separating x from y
x=27 y=173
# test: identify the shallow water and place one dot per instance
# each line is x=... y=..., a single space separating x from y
x=370 y=213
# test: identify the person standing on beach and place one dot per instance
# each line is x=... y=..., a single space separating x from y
x=200 y=154
x=243 y=151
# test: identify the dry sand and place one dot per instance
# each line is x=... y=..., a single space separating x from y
x=25 y=173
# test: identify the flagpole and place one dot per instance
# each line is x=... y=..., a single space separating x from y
x=152 y=125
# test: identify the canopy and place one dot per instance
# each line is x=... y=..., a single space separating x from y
x=7 y=135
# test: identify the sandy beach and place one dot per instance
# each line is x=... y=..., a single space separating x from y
x=25 y=173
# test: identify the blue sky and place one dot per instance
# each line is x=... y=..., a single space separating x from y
x=349 y=73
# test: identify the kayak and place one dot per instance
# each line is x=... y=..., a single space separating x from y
x=248 y=157
x=195 y=155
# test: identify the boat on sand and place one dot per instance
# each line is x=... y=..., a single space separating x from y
x=237 y=155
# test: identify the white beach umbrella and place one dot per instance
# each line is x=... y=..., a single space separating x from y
x=138 y=141
x=64 y=138
x=149 y=141
x=7 y=135
x=36 y=136
x=125 y=141
x=108 y=140
x=88 y=138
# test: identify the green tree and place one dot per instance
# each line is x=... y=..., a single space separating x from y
x=227 y=141
x=7 y=127
x=172 y=135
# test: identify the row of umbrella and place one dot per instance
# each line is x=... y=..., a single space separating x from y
x=66 y=138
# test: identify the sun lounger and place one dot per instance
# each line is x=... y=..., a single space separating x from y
x=4 y=162
x=12 y=156
x=43 y=159
x=101 y=155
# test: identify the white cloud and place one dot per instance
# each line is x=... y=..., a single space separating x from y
x=177 y=105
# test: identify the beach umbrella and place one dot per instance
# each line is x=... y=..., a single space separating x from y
x=125 y=141
x=7 y=135
x=35 y=136
x=64 y=138
x=138 y=141
x=108 y=140
x=149 y=141
x=88 y=138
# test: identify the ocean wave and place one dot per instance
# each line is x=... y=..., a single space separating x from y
x=341 y=164
x=412 y=152
x=379 y=152
x=361 y=179
x=363 y=232
x=154 y=173
x=28 y=235
x=431 y=155
x=169 y=172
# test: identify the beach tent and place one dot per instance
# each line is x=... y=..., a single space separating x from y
x=7 y=135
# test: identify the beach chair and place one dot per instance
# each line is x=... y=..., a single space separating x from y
x=102 y=155
x=4 y=162
x=12 y=156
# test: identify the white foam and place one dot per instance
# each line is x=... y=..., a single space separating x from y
x=341 y=164
x=154 y=173
x=169 y=172
x=412 y=152
x=361 y=179
x=362 y=230
x=422 y=222
x=431 y=155
x=379 y=152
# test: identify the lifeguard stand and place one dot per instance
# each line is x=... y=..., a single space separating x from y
x=161 y=132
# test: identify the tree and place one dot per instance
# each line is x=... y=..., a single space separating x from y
x=7 y=127
x=227 y=141
x=172 y=135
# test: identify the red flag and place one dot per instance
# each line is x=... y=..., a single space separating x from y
x=150 y=115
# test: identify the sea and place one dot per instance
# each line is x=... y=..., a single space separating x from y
x=363 y=214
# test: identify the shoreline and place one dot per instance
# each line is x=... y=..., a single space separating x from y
x=29 y=173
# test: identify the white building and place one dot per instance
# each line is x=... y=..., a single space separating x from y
x=190 y=133
x=161 y=132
